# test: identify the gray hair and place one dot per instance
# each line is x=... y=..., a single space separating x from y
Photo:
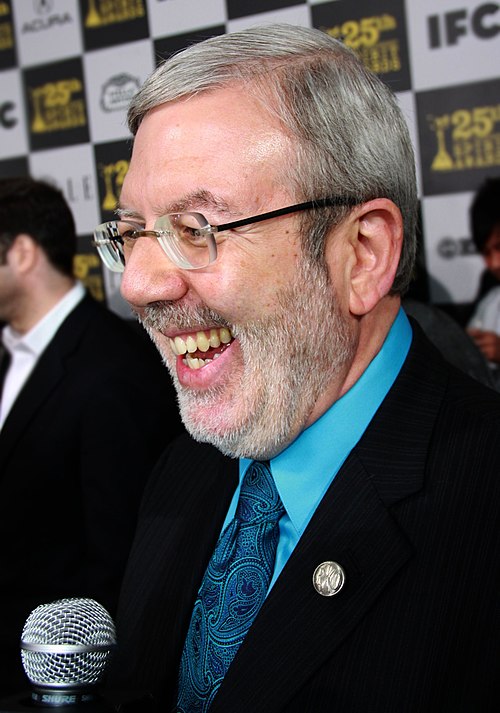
x=352 y=138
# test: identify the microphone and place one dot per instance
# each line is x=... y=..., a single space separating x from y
x=66 y=646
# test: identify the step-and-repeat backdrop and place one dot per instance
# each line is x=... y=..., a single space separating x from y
x=68 y=70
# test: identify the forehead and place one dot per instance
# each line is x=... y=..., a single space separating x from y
x=223 y=142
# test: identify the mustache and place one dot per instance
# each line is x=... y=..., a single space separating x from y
x=160 y=316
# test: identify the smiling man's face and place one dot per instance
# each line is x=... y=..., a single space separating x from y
x=258 y=342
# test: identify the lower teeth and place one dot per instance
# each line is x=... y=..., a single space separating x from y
x=194 y=363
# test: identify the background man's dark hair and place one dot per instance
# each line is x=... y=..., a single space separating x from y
x=39 y=210
x=485 y=212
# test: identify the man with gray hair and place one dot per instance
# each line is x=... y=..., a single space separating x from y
x=324 y=540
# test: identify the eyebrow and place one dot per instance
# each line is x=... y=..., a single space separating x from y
x=198 y=200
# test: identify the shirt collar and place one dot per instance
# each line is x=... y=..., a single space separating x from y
x=39 y=336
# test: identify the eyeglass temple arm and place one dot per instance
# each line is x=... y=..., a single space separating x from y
x=319 y=203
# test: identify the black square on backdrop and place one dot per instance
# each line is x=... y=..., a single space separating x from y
x=242 y=8
x=459 y=136
x=14 y=167
x=106 y=23
x=56 y=104
x=87 y=267
x=164 y=47
x=375 y=30
x=8 y=55
x=112 y=161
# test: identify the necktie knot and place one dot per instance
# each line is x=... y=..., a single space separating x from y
x=259 y=500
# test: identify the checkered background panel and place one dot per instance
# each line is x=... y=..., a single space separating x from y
x=68 y=70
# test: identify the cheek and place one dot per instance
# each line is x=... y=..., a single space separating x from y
x=224 y=291
x=239 y=296
x=247 y=288
x=489 y=262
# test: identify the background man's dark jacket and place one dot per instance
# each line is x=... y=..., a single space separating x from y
x=75 y=452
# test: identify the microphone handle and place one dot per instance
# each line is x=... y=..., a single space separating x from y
x=109 y=702
x=23 y=703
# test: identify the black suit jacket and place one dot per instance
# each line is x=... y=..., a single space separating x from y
x=412 y=517
x=75 y=452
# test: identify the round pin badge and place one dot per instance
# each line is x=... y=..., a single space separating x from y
x=328 y=579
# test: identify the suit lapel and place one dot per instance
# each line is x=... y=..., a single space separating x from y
x=4 y=364
x=354 y=527
x=45 y=377
x=367 y=543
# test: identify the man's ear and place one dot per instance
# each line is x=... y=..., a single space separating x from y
x=376 y=248
x=23 y=254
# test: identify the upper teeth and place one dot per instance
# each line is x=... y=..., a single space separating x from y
x=200 y=341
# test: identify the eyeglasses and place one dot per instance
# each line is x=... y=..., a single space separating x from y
x=187 y=239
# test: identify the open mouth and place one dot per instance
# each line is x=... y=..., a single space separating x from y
x=201 y=348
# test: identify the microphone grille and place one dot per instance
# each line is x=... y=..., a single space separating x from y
x=67 y=643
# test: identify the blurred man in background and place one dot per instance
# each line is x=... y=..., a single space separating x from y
x=85 y=409
x=484 y=325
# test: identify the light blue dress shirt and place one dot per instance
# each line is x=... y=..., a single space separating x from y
x=304 y=471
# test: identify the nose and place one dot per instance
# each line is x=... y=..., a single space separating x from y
x=150 y=276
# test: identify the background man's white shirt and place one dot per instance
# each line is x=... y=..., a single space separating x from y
x=25 y=349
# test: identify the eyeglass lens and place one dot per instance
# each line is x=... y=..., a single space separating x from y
x=178 y=234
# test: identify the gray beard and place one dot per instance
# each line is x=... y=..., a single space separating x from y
x=289 y=359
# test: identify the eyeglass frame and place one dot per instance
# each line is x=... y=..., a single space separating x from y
x=210 y=229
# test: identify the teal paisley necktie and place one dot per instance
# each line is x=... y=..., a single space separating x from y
x=232 y=591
